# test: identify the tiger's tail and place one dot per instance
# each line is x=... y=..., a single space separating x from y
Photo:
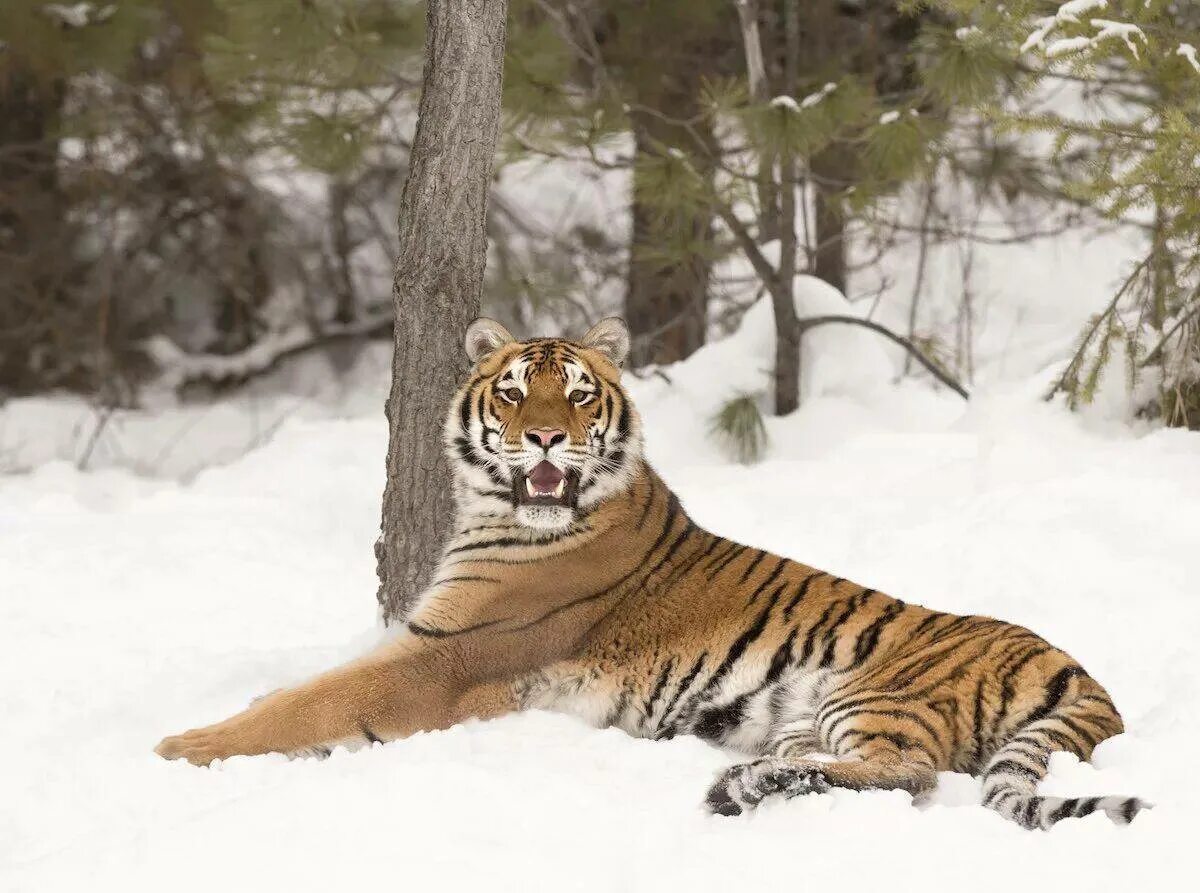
x=1076 y=724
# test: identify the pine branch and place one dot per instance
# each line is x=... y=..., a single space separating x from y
x=1077 y=360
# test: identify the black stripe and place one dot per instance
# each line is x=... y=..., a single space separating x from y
x=1056 y=690
x=1089 y=739
x=811 y=639
x=868 y=639
x=467 y=579
x=684 y=684
x=977 y=727
x=781 y=659
x=894 y=713
x=768 y=581
x=800 y=593
x=734 y=552
x=1064 y=809
x=738 y=648
x=1129 y=809
x=688 y=530
x=751 y=566
x=481 y=409
x=487 y=544
x=659 y=687
x=1012 y=767
x=926 y=623
x=831 y=640
x=429 y=632
x=464 y=412
x=1031 y=808
x=371 y=737
x=646 y=509
x=1087 y=806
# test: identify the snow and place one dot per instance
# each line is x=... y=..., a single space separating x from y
x=1073 y=9
x=1187 y=51
x=1071 y=12
x=785 y=102
x=1065 y=45
x=79 y=15
x=1122 y=30
x=134 y=607
x=813 y=98
x=889 y=117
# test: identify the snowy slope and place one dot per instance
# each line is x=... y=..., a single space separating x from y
x=131 y=608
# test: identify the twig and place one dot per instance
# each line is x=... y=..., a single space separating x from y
x=1073 y=366
x=1158 y=348
x=103 y=416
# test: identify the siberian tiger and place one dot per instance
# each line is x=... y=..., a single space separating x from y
x=574 y=581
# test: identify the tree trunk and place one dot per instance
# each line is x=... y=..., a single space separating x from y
x=670 y=261
x=787 y=332
x=438 y=283
x=33 y=223
x=830 y=177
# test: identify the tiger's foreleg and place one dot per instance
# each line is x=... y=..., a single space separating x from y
x=405 y=687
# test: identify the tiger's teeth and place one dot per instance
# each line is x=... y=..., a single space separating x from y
x=558 y=491
x=529 y=487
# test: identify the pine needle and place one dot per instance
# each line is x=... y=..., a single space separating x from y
x=738 y=426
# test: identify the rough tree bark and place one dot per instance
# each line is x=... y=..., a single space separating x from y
x=438 y=281
x=33 y=232
x=831 y=176
x=787 y=333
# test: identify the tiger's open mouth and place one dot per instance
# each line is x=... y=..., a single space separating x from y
x=546 y=484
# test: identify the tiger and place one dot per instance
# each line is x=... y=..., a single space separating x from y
x=574 y=581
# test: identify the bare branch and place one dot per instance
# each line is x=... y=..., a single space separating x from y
x=811 y=322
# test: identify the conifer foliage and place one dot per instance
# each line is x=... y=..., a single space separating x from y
x=1129 y=147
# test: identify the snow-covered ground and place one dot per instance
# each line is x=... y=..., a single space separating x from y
x=132 y=607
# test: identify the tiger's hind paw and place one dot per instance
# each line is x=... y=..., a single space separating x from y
x=742 y=787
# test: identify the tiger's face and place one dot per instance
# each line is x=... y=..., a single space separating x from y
x=543 y=430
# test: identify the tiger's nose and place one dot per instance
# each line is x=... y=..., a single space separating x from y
x=545 y=437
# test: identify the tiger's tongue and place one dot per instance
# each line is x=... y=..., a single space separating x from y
x=545 y=477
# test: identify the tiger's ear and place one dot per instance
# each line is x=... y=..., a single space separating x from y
x=610 y=336
x=485 y=336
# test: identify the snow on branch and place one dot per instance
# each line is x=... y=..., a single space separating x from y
x=177 y=367
x=79 y=15
x=1071 y=13
x=813 y=98
x=1073 y=9
x=1189 y=52
x=786 y=102
x=1123 y=30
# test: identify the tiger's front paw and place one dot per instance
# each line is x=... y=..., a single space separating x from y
x=198 y=746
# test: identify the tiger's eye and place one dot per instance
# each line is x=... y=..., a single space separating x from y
x=579 y=397
x=513 y=394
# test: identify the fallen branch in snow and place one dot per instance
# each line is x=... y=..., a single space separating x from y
x=179 y=368
x=811 y=322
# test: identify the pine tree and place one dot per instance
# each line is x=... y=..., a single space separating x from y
x=131 y=136
x=1130 y=152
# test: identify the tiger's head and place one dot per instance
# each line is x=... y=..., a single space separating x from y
x=542 y=431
